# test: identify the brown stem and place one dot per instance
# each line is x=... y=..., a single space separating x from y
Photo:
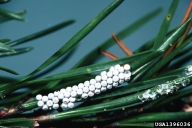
x=122 y=45
x=184 y=35
x=110 y=55
x=187 y=13
x=186 y=16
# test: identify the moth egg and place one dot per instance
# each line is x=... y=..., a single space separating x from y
x=91 y=87
x=127 y=73
x=92 y=81
x=68 y=89
x=109 y=81
x=121 y=76
x=40 y=103
x=103 y=89
x=72 y=99
x=86 y=89
x=98 y=78
x=80 y=85
x=70 y=105
x=90 y=94
x=126 y=67
x=117 y=66
x=60 y=96
x=115 y=84
x=97 y=85
x=55 y=100
x=74 y=88
x=50 y=96
x=56 y=93
x=110 y=74
x=45 y=107
x=67 y=94
x=121 y=81
x=79 y=91
x=73 y=93
x=104 y=83
x=104 y=77
x=84 y=95
x=49 y=103
x=39 y=97
x=109 y=86
x=65 y=100
x=63 y=90
x=86 y=83
x=103 y=73
x=115 y=78
x=127 y=77
x=97 y=91
x=44 y=98
x=115 y=72
x=55 y=106
x=63 y=105
x=111 y=69
x=121 y=69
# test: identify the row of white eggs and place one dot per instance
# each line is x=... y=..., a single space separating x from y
x=106 y=80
